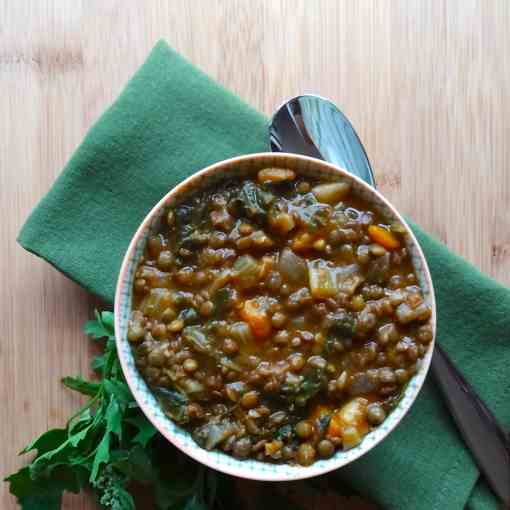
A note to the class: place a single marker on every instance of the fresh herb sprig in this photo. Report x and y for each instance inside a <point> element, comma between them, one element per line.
<point>108,445</point>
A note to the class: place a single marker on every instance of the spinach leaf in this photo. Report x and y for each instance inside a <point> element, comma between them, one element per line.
<point>252,202</point>
<point>285,433</point>
<point>223,300</point>
<point>173,403</point>
<point>323,423</point>
<point>212,434</point>
<point>310,386</point>
<point>194,239</point>
<point>312,214</point>
<point>189,316</point>
<point>198,339</point>
<point>342,323</point>
<point>310,383</point>
<point>183,215</point>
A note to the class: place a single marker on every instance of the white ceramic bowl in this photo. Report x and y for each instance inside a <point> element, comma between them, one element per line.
<point>253,469</point>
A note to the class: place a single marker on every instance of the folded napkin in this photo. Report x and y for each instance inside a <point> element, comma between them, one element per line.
<point>172,120</point>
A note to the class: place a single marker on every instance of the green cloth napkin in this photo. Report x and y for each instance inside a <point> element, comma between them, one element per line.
<point>172,120</point>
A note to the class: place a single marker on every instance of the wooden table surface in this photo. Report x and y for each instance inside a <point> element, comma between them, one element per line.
<point>426,84</point>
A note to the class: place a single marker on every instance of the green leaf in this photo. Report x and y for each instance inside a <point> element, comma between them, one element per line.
<point>119,390</point>
<point>310,387</point>
<point>43,464</point>
<point>102,327</point>
<point>114,418</point>
<point>32,494</point>
<point>312,383</point>
<point>194,503</point>
<point>109,443</point>
<point>79,435</point>
<point>47,441</point>
<point>198,339</point>
<point>312,214</point>
<point>135,464</point>
<point>70,477</point>
<point>48,500</point>
<point>82,420</point>
<point>45,493</point>
<point>323,423</point>
<point>82,385</point>
<point>97,364</point>
<point>252,201</point>
<point>210,486</point>
<point>96,330</point>
<point>285,433</point>
<point>342,324</point>
<point>223,300</point>
<point>146,429</point>
<point>170,493</point>
<point>111,362</point>
<point>124,500</point>
<point>108,320</point>
<point>111,486</point>
<point>101,457</point>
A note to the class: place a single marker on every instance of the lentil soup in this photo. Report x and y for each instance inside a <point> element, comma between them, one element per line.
<point>277,318</point>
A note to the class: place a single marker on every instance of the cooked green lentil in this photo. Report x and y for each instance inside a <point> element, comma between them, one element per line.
<point>277,318</point>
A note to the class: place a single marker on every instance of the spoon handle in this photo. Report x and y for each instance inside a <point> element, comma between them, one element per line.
<point>487,441</point>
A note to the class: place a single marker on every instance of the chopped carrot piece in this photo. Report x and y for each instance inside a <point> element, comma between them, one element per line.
<point>383,237</point>
<point>256,318</point>
<point>336,426</point>
<point>273,447</point>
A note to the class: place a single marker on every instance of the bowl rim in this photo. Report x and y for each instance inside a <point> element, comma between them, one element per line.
<point>198,453</point>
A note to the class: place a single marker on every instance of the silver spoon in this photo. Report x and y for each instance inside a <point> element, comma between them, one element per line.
<point>314,126</point>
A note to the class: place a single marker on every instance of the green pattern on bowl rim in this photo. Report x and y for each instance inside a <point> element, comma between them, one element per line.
<point>253,469</point>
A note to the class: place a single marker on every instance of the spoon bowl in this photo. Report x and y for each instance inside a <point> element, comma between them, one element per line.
<point>313,126</point>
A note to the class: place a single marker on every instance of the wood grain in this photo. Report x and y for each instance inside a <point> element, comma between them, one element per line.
<point>425,83</point>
